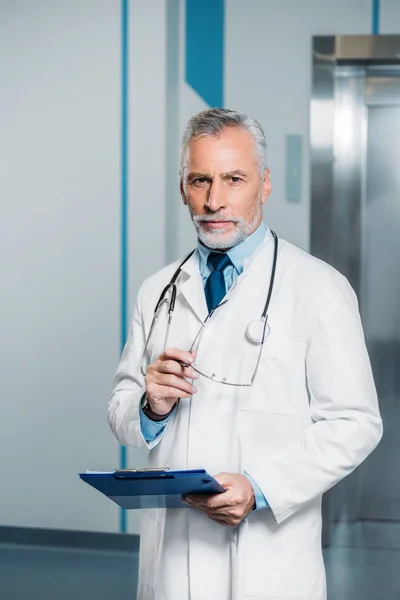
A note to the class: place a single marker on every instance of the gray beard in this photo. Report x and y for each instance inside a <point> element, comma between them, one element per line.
<point>214,240</point>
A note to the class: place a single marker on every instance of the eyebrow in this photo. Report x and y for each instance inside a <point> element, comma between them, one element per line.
<point>193,175</point>
<point>226,175</point>
<point>235,173</point>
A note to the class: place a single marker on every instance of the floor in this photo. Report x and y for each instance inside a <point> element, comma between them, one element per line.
<point>357,574</point>
<point>40,573</point>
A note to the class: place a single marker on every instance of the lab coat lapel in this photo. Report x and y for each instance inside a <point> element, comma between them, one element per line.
<point>192,288</point>
<point>257,268</point>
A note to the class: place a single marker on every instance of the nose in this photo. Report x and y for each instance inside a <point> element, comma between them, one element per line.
<point>216,197</point>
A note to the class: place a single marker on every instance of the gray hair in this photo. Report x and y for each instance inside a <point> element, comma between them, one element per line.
<point>213,121</point>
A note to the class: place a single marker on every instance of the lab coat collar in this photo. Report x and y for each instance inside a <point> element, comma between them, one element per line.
<point>192,288</point>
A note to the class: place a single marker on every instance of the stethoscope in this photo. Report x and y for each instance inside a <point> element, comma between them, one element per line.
<point>257,330</point>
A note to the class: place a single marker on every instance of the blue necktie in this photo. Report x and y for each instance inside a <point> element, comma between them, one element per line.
<point>215,288</point>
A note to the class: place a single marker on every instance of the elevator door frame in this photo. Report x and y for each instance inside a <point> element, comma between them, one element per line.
<point>336,231</point>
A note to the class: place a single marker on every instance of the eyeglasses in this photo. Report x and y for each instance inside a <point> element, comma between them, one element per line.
<point>205,371</point>
<point>226,380</point>
<point>253,336</point>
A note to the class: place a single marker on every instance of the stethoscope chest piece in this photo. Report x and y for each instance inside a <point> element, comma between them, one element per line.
<point>257,331</point>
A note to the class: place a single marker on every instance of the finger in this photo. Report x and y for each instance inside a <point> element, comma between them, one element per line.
<point>208,500</point>
<point>189,371</point>
<point>219,509</point>
<point>176,354</point>
<point>176,368</point>
<point>229,513</point>
<point>162,391</point>
<point>225,522</point>
<point>233,515</point>
<point>194,354</point>
<point>173,381</point>
<point>225,479</point>
<point>219,516</point>
<point>197,500</point>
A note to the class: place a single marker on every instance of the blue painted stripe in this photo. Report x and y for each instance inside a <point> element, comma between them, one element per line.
<point>173,83</point>
<point>205,49</point>
<point>124,201</point>
<point>375,16</point>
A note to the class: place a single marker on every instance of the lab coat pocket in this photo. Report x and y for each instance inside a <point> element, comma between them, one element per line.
<point>148,547</point>
<point>279,386</point>
<point>283,562</point>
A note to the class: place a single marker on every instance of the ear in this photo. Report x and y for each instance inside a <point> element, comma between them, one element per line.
<point>266,187</point>
<point>183,195</point>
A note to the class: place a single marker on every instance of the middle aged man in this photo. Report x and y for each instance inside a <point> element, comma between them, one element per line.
<point>279,423</point>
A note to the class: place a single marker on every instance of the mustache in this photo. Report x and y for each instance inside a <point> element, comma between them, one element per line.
<point>215,217</point>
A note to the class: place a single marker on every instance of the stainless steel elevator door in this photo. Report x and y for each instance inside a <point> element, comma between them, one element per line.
<point>355,227</point>
<point>380,304</point>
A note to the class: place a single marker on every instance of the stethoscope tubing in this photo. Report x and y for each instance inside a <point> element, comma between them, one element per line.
<point>172,285</point>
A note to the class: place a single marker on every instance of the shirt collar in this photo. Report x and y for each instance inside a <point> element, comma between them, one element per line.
<point>238,254</point>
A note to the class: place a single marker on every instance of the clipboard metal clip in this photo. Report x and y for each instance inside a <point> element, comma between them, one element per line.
<point>142,470</point>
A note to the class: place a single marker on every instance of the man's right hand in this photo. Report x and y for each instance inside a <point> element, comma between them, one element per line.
<point>166,380</point>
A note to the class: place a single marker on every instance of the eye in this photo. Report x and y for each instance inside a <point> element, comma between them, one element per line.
<point>235,180</point>
<point>200,181</point>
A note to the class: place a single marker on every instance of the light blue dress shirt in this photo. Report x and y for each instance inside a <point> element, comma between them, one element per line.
<point>151,430</point>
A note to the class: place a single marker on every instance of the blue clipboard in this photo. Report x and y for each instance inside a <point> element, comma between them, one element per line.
<point>151,488</point>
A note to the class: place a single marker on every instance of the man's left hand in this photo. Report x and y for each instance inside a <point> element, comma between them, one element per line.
<point>230,507</point>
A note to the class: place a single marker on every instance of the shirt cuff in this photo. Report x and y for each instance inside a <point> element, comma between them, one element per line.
<point>261,501</point>
<point>152,429</point>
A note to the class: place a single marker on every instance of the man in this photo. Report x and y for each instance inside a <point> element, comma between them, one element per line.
<point>278,423</point>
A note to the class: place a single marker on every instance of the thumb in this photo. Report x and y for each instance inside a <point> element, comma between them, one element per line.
<point>225,479</point>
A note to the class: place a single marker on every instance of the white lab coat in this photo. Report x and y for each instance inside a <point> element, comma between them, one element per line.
<point>310,418</point>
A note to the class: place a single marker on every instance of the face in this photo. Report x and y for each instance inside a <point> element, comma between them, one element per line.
<point>223,189</point>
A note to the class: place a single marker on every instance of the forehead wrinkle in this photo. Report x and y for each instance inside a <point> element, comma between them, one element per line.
<point>227,154</point>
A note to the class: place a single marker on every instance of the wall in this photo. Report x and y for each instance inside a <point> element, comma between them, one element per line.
<point>60,185</point>
<point>147,176</point>
<point>59,157</point>
<point>389,17</point>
